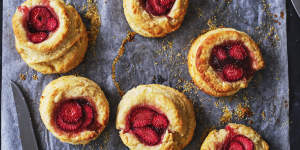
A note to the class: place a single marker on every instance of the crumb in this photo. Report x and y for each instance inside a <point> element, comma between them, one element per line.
<point>170,44</point>
<point>22,76</point>
<point>282,15</point>
<point>35,77</point>
<point>227,115</point>
<point>263,115</point>
<point>243,111</point>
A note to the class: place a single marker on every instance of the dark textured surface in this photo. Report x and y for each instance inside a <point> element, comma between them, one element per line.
<point>293,36</point>
<point>135,60</point>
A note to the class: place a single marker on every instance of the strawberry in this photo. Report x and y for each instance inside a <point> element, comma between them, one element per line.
<point>235,146</point>
<point>38,18</point>
<point>89,115</point>
<point>147,135</point>
<point>37,37</point>
<point>67,126</point>
<point>220,53</point>
<point>246,142</point>
<point>40,22</point>
<point>238,52</point>
<point>160,121</point>
<point>232,72</point>
<point>141,117</point>
<point>167,3</point>
<point>51,24</point>
<point>70,112</point>
<point>156,10</point>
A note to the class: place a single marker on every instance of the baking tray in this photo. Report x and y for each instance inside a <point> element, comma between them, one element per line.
<point>163,61</point>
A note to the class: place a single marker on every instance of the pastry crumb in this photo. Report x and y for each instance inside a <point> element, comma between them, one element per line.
<point>35,77</point>
<point>263,115</point>
<point>22,76</point>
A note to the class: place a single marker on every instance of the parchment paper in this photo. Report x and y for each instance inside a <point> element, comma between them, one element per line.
<point>162,61</point>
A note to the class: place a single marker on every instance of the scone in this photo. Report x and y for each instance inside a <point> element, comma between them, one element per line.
<point>234,137</point>
<point>74,109</point>
<point>155,117</point>
<point>155,18</point>
<point>49,35</point>
<point>223,61</point>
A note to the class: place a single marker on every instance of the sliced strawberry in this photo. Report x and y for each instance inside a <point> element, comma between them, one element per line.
<point>37,37</point>
<point>246,142</point>
<point>51,24</point>
<point>67,126</point>
<point>160,121</point>
<point>141,117</point>
<point>167,3</point>
<point>238,52</point>
<point>154,7</point>
<point>220,53</point>
<point>147,135</point>
<point>70,112</point>
<point>89,115</point>
<point>232,72</point>
<point>235,146</point>
<point>38,18</point>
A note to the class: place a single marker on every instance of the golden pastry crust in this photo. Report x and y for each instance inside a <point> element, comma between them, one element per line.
<point>216,137</point>
<point>149,25</point>
<point>177,108</point>
<point>64,48</point>
<point>68,87</point>
<point>204,75</point>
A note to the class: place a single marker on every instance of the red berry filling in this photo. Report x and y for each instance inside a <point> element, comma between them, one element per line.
<point>237,142</point>
<point>41,21</point>
<point>147,125</point>
<point>231,61</point>
<point>158,7</point>
<point>232,72</point>
<point>74,115</point>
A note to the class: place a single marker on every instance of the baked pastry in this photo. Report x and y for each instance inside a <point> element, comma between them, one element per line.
<point>49,35</point>
<point>155,18</point>
<point>223,61</point>
<point>74,109</point>
<point>234,137</point>
<point>155,117</point>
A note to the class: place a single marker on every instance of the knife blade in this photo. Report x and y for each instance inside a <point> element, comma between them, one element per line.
<point>27,135</point>
<point>296,4</point>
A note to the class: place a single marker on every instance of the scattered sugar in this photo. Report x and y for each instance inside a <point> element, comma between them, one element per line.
<point>93,16</point>
<point>227,115</point>
<point>243,111</point>
<point>129,38</point>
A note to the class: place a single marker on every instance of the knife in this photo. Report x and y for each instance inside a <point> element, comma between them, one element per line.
<point>296,4</point>
<point>28,139</point>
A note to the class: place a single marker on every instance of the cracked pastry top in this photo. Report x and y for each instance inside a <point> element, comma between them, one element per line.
<point>234,137</point>
<point>49,35</point>
<point>74,109</point>
<point>223,61</point>
<point>155,117</point>
<point>155,18</point>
